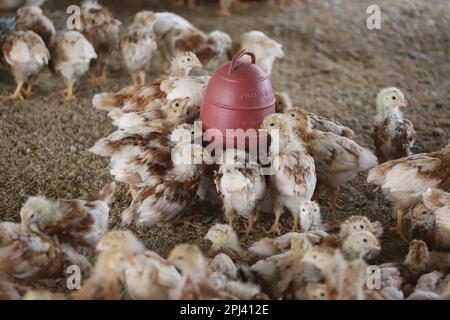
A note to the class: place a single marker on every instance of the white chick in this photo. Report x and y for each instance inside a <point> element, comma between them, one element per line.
<point>224,239</point>
<point>404,180</point>
<point>267,50</point>
<point>310,217</point>
<point>138,45</point>
<point>241,185</point>
<point>24,54</point>
<point>71,55</point>
<point>150,277</point>
<point>183,63</point>
<point>359,223</point>
<point>360,244</point>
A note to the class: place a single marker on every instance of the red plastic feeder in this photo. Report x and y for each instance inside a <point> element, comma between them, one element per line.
<point>239,96</point>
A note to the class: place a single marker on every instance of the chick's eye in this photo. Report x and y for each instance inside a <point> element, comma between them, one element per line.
<point>394,97</point>
<point>272,124</point>
<point>292,115</point>
<point>424,212</point>
<point>314,257</point>
<point>189,59</point>
<point>303,209</point>
<point>177,104</point>
<point>365,240</point>
<point>322,294</point>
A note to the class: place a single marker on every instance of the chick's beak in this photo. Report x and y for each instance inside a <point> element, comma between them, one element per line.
<point>402,103</point>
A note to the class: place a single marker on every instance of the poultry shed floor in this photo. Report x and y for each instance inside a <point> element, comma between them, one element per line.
<point>333,66</point>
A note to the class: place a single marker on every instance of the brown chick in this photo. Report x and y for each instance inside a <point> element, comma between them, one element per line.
<point>404,180</point>
<point>393,135</point>
<point>167,195</point>
<point>294,178</point>
<point>32,18</point>
<point>28,255</point>
<point>104,283</point>
<point>8,290</point>
<point>102,30</point>
<point>76,222</point>
<point>189,259</point>
<point>24,54</point>
<point>338,159</point>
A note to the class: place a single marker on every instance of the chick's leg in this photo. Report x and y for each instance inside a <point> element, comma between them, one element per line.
<point>103,77</point>
<point>29,88</point>
<point>134,78</point>
<point>69,95</point>
<point>278,210</point>
<point>249,227</point>
<point>142,76</point>
<point>334,196</point>
<point>230,213</point>
<point>295,223</point>
<point>17,95</point>
<point>399,227</point>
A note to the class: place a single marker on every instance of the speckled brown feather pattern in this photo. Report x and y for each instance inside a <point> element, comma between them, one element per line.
<point>38,23</point>
<point>28,254</point>
<point>389,147</point>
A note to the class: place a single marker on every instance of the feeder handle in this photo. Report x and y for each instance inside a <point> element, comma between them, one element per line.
<point>238,57</point>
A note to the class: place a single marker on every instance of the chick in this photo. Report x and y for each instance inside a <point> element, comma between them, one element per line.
<point>431,220</point>
<point>360,223</point>
<point>310,218</point>
<point>150,277</point>
<point>267,247</point>
<point>338,159</point>
<point>139,98</point>
<point>231,289</point>
<point>100,27</point>
<point>317,291</point>
<point>169,194</point>
<point>190,260</point>
<point>123,240</point>
<point>24,54</point>
<point>294,178</point>
<point>138,45</point>
<point>175,33</point>
<point>430,286</point>
<point>360,244</point>
<point>283,104</point>
<point>71,55</point>
<point>32,18</point>
<point>267,50</point>
<point>279,272</point>
<point>241,185</point>
<point>182,64</point>
<point>393,135</point>
<point>28,255</point>
<point>224,239</point>
<point>404,180</point>
<point>103,284</point>
<point>77,222</point>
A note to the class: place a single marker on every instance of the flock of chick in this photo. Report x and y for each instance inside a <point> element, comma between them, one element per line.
<point>154,149</point>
